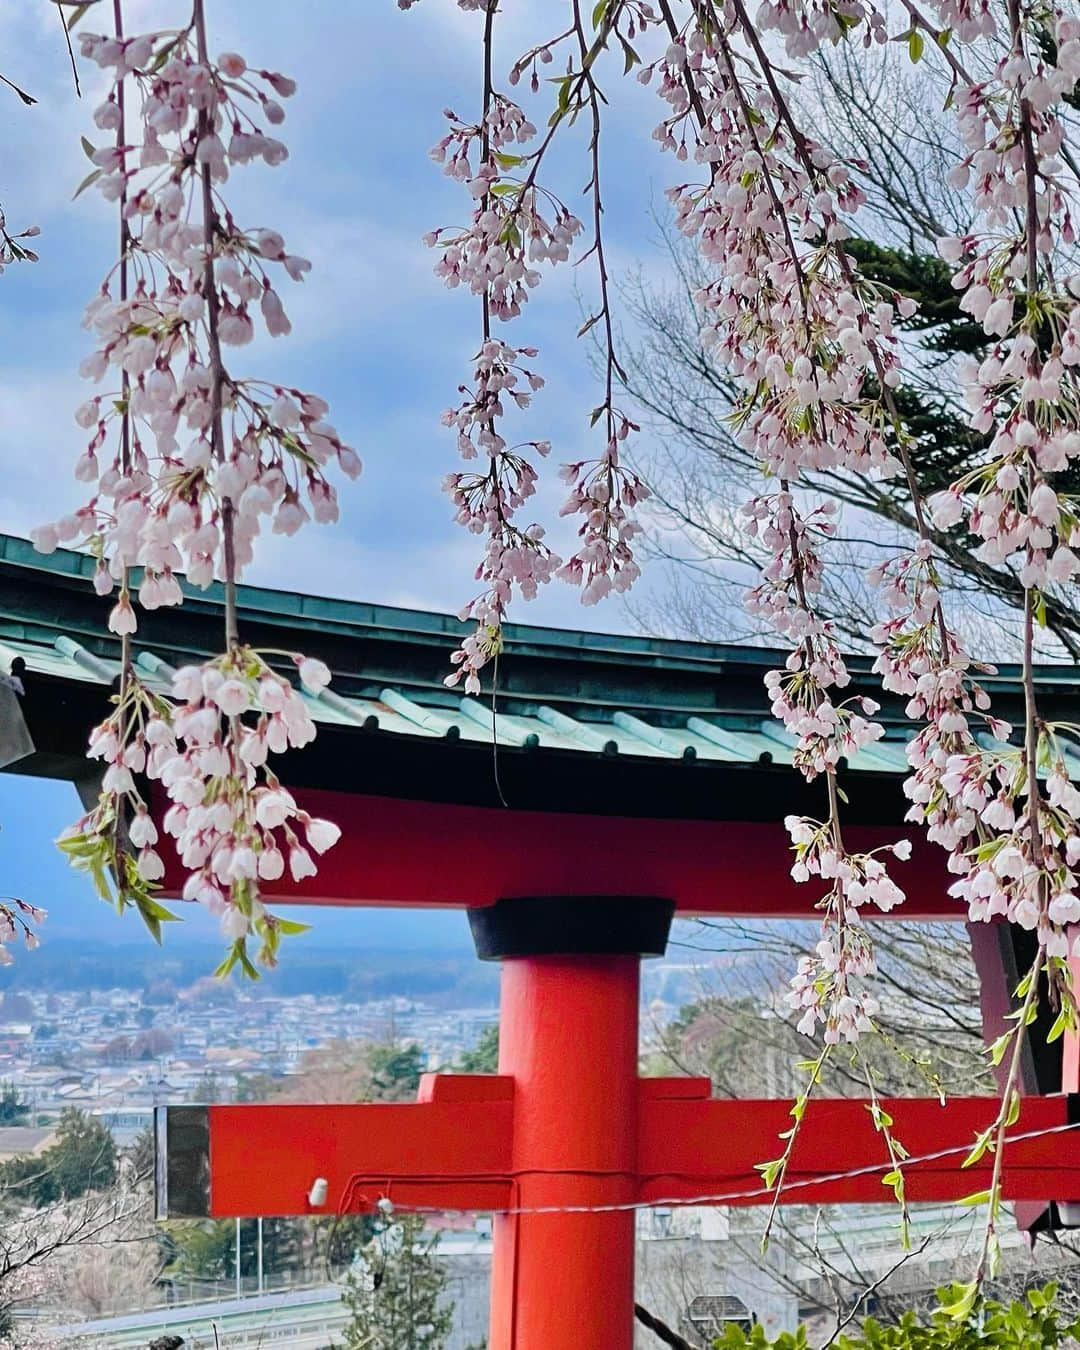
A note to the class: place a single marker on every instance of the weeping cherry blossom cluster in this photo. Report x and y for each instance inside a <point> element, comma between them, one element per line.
<point>185,465</point>
<point>815,349</point>
<point>515,225</point>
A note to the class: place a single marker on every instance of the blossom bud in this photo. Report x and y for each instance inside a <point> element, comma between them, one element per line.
<point>122,619</point>
<point>300,863</point>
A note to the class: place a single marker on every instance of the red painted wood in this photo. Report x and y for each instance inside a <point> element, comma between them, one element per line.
<point>997,982</point>
<point>692,1149</point>
<point>1070,1044</point>
<point>264,1158</point>
<point>459,1148</point>
<point>568,1036</point>
<point>398,852</point>
<point>465,1087</point>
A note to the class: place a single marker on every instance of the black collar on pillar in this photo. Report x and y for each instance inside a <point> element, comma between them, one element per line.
<point>572,925</point>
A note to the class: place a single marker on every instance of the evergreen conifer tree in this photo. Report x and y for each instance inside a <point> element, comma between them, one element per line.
<point>396,1292</point>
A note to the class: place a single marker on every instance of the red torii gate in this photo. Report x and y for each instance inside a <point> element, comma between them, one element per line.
<point>642,781</point>
<point>566,1139</point>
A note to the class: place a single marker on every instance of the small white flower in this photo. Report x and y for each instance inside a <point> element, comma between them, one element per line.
<point>314,674</point>
<point>233,697</point>
<point>274,808</point>
<point>322,835</point>
<point>118,779</point>
<point>45,538</point>
<point>271,864</point>
<point>142,830</point>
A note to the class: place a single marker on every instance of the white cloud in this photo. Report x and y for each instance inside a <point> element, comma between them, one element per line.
<point>374,330</point>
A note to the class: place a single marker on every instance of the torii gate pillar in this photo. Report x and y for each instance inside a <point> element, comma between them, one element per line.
<point>568,1037</point>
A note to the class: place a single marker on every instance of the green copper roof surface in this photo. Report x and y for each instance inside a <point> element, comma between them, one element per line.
<point>559,689</point>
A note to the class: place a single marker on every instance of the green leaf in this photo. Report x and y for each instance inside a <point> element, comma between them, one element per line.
<point>79,13</point>
<point>76,846</point>
<point>163,55</point>
<point>770,1171</point>
<point>89,149</point>
<point>915,45</point>
<point>964,1301</point>
<point>982,1143</point>
<point>90,178</point>
<point>150,908</point>
<point>96,869</point>
<point>997,1050</point>
<point>245,962</point>
<point>598,12</point>
<point>975,1198</point>
<point>227,964</point>
<point>291,927</point>
<point>153,927</point>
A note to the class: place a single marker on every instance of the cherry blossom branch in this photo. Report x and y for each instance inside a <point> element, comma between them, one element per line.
<point>800,695</point>
<point>943,45</point>
<point>517,222</point>
<point>813,346</point>
<point>1008,1113</point>
<point>257,449</point>
<point>604,491</point>
<point>128,695</point>
<point>11,250</point>
<point>211,230</point>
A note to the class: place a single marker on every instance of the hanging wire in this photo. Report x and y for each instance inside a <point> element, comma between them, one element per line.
<point>385,1203</point>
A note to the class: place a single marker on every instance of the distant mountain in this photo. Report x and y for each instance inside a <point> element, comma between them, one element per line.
<point>33,812</point>
<point>443,979</point>
<point>87,919</point>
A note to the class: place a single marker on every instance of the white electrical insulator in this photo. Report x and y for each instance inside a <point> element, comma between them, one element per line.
<point>386,1206</point>
<point>317,1194</point>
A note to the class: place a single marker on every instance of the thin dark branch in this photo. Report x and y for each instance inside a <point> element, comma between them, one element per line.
<point>660,1329</point>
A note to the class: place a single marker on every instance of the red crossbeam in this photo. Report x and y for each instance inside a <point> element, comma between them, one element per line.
<point>398,852</point>
<point>454,1149</point>
<point>452,1152</point>
<point>690,1149</point>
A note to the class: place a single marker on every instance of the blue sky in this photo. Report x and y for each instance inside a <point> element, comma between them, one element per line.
<point>374,332</point>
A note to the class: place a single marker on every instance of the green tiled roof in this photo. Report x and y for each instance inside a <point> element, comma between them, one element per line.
<point>558,689</point>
